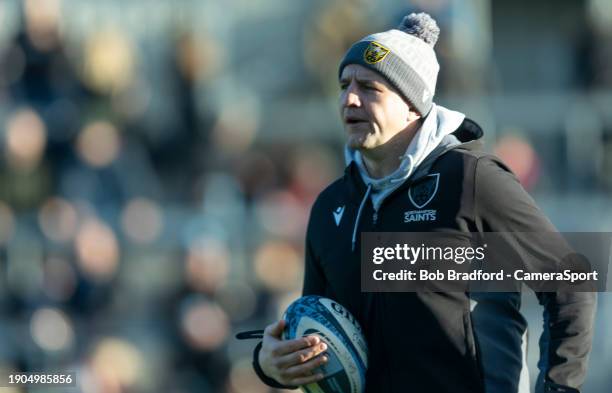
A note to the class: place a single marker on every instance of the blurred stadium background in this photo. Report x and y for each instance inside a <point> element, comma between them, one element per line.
<point>159,159</point>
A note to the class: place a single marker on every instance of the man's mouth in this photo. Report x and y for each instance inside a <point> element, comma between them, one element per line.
<point>354,120</point>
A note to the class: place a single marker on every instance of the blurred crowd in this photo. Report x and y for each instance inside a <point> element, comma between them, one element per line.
<point>159,160</point>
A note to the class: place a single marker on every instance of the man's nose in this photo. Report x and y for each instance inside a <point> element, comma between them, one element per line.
<point>351,97</point>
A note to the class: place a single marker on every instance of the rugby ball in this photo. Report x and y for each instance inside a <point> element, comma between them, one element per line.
<point>347,352</point>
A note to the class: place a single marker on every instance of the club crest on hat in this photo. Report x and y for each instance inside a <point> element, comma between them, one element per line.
<point>422,193</point>
<point>375,52</point>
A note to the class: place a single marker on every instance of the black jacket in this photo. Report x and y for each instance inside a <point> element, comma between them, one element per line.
<point>429,342</point>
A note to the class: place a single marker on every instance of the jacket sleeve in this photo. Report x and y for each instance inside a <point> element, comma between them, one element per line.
<point>502,205</point>
<point>314,284</point>
<point>314,280</point>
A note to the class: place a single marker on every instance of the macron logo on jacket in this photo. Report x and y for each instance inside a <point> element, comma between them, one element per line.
<point>338,215</point>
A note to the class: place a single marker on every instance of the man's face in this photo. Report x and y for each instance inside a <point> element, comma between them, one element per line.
<point>372,111</point>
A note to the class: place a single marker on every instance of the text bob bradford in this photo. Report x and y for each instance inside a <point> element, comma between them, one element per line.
<point>479,275</point>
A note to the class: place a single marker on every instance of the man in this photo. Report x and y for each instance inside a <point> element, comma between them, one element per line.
<point>423,342</point>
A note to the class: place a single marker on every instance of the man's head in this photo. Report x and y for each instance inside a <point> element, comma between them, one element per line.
<point>388,81</point>
<point>372,110</point>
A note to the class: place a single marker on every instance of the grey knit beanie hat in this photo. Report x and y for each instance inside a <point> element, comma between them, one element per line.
<point>405,56</point>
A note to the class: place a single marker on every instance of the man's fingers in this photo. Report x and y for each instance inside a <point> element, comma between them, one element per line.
<point>301,356</point>
<point>304,369</point>
<point>287,347</point>
<point>306,380</point>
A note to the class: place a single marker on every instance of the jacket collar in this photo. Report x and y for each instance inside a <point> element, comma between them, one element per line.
<point>469,134</point>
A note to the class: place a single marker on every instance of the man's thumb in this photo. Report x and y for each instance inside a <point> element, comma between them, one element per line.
<point>276,329</point>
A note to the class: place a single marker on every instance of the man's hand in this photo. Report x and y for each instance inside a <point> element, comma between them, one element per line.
<point>291,362</point>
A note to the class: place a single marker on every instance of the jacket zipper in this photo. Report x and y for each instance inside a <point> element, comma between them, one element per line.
<point>403,187</point>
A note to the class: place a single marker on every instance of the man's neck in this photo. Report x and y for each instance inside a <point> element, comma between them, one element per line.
<point>384,160</point>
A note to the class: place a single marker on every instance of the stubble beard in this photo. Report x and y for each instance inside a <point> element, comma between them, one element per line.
<point>361,138</point>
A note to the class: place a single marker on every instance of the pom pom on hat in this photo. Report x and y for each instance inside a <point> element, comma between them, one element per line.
<point>422,26</point>
<point>405,56</point>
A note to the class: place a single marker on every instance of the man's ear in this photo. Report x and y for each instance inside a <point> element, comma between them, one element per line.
<point>413,116</point>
